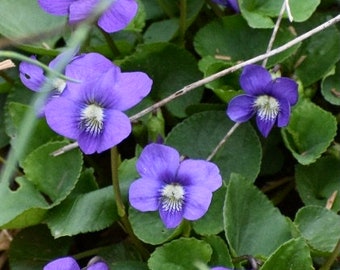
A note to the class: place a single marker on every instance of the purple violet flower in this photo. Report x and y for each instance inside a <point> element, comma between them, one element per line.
<point>229,3</point>
<point>85,67</point>
<point>220,268</point>
<point>177,189</point>
<point>119,14</point>
<point>68,263</point>
<point>269,99</point>
<point>91,112</point>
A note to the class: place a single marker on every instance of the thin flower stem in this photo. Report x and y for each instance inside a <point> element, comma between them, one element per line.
<point>186,89</point>
<point>124,221</point>
<point>115,181</point>
<point>282,194</point>
<point>186,228</point>
<point>224,72</point>
<point>88,253</point>
<point>274,33</point>
<point>223,141</point>
<point>332,258</point>
<point>276,184</point>
<point>110,42</point>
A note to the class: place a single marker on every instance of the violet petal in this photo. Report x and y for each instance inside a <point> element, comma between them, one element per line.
<point>130,89</point>
<point>254,79</point>
<point>66,263</point>
<point>285,88</point>
<point>241,108</point>
<point>158,161</point>
<point>31,75</point>
<point>144,194</point>
<point>234,4</point>
<point>60,7</point>
<point>117,127</point>
<point>284,114</point>
<point>118,16</point>
<point>80,10</point>
<point>88,66</point>
<point>98,266</point>
<point>63,122</point>
<point>95,84</point>
<point>265,126</point>
<point>171,219</point>
<point>197,202</point>
<point>201,173</point>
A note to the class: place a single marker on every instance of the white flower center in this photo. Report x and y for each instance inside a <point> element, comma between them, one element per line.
<point>92,119</point>
<point>172,197</point>
<point>267,107</point>
<point>59,85</point>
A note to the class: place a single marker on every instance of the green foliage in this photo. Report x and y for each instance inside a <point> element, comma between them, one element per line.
<point>252,224</point>
<point>317,182</point>
<point>220,255</point>
<point>163,62</point>
<point>279,202</point>
<point>162,31</point>
<point>75,215</point>
<point>212,222</point>
<point>180,254</point>
<point>54,177</point>
<point>35,23</point>
<point>4,139</point>
<point>224,87</point>
<point>258,13</point>
<point>207,137</point>
<point>310,132</point>
<point>41,134</point>
<point>33,247</point>
<point>214,38</point>
<point>149,228</point>
<point>285,256</point>
<point>24,201</point>
<point>330,86</point>
<point>319,54</point>
<point>312,222</point>
<point>44,185</point>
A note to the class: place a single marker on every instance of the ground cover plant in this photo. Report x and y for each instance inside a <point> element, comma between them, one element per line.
<point>169,134</point>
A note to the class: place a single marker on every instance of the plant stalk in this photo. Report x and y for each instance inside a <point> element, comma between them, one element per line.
<point>332,258</point>
<point>124,221</point>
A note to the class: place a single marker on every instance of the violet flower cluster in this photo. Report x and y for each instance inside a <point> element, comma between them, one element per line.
<point>68,263</point>
<point>177,189</point>
<point>268,99</point>
<point>90,112</point>
<point>119,14</point>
